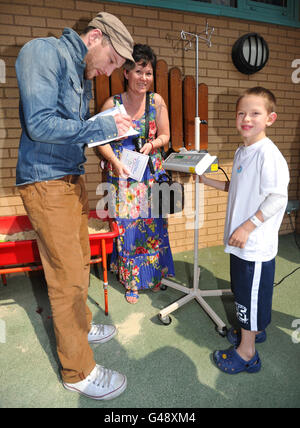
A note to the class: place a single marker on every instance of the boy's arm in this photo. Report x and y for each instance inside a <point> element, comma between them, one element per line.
<point>269,207</point>
<point>240,235</point>
<point>217,184</point>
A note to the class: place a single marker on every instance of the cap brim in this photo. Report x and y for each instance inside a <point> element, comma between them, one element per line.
<point>122,51</point>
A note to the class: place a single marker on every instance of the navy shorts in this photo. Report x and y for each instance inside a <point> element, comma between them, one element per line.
<point>252,286</point>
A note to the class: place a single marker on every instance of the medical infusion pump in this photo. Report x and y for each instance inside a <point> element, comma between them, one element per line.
<point>191,162</point>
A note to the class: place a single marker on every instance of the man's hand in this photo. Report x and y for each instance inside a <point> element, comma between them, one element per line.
<point>123,123</point>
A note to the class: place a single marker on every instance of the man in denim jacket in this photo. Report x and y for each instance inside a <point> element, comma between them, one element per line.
<point>54,78</point>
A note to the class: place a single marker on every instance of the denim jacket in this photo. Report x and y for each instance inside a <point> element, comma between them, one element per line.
<point>54,108</point>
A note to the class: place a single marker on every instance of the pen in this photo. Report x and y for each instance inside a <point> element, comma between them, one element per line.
<point>118,106</point>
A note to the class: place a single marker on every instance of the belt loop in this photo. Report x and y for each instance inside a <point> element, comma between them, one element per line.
<point>70,178</point>
<point>81,376</point>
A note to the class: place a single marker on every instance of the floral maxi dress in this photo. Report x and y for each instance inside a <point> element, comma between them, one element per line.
<point>141,255</point>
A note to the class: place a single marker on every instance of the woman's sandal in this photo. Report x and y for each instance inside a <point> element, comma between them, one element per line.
<point>132,293</point>
<point>156,288</point>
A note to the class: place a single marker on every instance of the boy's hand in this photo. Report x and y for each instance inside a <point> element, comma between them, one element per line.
<point>241,234</point>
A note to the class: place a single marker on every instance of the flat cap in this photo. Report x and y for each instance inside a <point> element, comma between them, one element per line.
<point>116,31</point>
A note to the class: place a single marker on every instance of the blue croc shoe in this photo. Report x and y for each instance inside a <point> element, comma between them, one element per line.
<point>230,362</point>
<point>234,336</point>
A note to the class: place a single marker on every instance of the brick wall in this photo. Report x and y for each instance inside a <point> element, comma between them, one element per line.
<point>22,20</point>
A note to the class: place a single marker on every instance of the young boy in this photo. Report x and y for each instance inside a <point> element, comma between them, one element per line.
<point>257,200</point>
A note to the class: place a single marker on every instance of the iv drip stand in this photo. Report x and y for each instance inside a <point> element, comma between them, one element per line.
<point>195,292</point>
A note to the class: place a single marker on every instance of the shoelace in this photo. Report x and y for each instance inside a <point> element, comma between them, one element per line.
<point>97,329</point>
<point>101,376</point>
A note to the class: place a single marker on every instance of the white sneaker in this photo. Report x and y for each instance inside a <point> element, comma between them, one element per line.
<point>100,384</point>
<point>101,333</point>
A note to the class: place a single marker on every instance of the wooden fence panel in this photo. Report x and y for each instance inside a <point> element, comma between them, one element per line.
<point>189,103</point>
<point>162,80</point>
<point>102,89</point>
<point>176,108</point>
<point>203,114</point>
<point>162,84</point>
<point>117,84</point>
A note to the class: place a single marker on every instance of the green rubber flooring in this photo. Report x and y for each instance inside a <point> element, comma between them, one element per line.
<point>167,366</point>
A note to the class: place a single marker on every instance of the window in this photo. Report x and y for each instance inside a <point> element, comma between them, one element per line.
<point>274,8</point>
<point>282,3</point>
<point>231,3</point>
<point>281,12</point>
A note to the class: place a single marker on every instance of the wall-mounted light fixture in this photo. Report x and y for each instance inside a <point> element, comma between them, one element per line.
<point>250,53</point>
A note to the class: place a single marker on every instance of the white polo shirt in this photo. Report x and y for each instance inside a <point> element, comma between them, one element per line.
<point>258,170</point>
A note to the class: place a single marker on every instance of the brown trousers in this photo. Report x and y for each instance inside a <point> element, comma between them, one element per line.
<point>58,211</point>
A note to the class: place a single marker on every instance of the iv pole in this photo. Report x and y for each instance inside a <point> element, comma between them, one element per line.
<point>195,292</point>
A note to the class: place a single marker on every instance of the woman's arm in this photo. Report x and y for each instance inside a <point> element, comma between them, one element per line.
<point>162,124</point>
